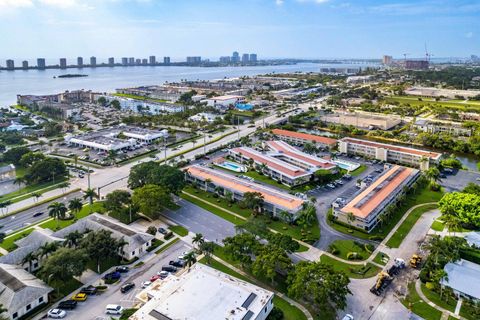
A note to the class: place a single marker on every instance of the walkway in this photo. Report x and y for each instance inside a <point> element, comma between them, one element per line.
<point>445,313</point>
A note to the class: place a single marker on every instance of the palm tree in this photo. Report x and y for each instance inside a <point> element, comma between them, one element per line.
<point>437,278</point>
<point>64,186</point>
<point>190,259</point>
<point>57,210</point>
<point>207,182</point>
<point>198,239</point>
<point>46,249</point>
<point>75,205</point>
<point>350,217</point>
<point>72,239</point>
<point>229,196</point>
<point>120,244</point>
<point>19,181</point>
<point>90,194</point>
<point>36,195</point>
<point>451,222</point>
<point>29,259</point>
<point>4,205</point>
<point>207,249</point>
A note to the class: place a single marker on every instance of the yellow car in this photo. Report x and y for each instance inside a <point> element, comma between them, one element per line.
<point>80,297</point>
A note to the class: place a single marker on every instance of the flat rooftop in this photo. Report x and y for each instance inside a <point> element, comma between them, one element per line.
<point>270,195</point>
<point>379,191</point>
<point>272,162</point>
<point>202,293</point>
<point>292,152</point>
<point>304,136</point>
<point>428,154</point>
<point>462,276</point>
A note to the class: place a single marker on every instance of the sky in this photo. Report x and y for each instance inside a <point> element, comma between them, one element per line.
<point>213,28</point>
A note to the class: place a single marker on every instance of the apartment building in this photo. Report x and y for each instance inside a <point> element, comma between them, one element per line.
<point>389,153</point>
<point>369,204</point>
<point>448,127</point>
<point>275,201</point>
<point>363,120</point>
<point>302,138</point>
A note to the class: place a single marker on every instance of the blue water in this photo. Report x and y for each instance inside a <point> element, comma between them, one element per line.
<point>231,166</point>
<point>108,79</point>
<point>244,106</point>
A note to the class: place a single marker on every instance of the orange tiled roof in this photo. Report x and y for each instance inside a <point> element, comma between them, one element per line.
<point>379,196</point>
<point>304,136</point>
<point>270,195</point>
<point>433,155</point>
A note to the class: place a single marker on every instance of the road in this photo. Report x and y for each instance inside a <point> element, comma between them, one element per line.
<point>94,307</point>
<point>26,218</point>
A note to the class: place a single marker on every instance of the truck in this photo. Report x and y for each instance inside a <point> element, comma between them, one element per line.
<point>383,281</point>
<point>415,261</point>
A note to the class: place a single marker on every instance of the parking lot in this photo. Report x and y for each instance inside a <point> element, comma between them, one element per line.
<point>459,179</point>
<point>94,306</point>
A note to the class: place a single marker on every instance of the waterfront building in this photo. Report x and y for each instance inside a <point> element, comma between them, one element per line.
<point>138,61</point>
<point>225,59</point>
<point>253,57</point>
<point>152,60</point>
<point>63,63</point>
<point>166,60</point>
<point>194,60</point>
<point>389,153</point>
<point>217,295</point>
<point>222,102</point>
<point>93,61</point>
<point>369,204</point>
<point>245,58</point>
<point>41,63</point>
<point>10,64</point>
<point>24,64</point>
<point>235,57</point>
<point>416,64</point>
<point>131,61</point>
<point>144,62</point>
<point>448,127</point>
<point>111,61</point>
<point>124,61</point>
<point>79,62</point>
<point>387,60</point>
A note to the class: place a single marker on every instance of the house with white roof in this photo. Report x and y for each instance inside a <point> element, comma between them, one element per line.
<point>463,277</point>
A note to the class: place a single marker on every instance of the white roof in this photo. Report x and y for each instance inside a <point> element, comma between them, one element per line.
<point>202,293</point>
<point>462,275</point>
<point>473,239</point>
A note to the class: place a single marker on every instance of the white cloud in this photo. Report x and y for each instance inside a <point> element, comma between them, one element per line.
<point>13,4</point>
<point>314,1</point>
<point>59,3</point>
<point>279,2</point>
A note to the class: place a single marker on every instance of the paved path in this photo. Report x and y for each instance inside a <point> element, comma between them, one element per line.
<point>445,312</point>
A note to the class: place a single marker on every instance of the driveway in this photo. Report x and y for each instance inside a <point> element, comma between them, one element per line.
<point>459,180</point>
<point>25,218</point>
<point>94,307</point>
<point>199,220</point>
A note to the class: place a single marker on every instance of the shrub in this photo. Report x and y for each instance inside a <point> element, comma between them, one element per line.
<point>275,314</point>
<point>434,186</point>
<point>376,238</point>
<point>358,244</point>
<point>152,230</point>
<point>354,256</point>
<point>424,277</point>
<point>429,285</point>
<point>169,235</point>
<point>332,249</point>
<point>101,288</point>
<point>369,247</point>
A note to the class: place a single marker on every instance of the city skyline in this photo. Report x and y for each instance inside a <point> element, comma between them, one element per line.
<point>273,28</point>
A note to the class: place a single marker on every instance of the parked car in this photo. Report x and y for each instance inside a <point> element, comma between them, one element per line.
<point>169,269</point>
<point>177,263</point>
<point>162,230</point>
<point>112,276</point>
<point>113,309</point>
<point>154,278</point>
<point>80,297</point>
<point>146,284</point>
<point>127,287</point>
<point>90,290</point>
<point>37,214</point>
<point>347,317</point>
<point>163,274</point>
<point>122,269</point>
<point>67,304</point>
<point>56,313</point>
<point>347,176</point>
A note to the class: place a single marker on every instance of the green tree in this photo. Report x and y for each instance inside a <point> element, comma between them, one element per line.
<point>151,200</point>
<point>102,101</point>
<point>117,201</point>
<point>283,241</point>
<point>432,174</point>
<point>198,239</point>
<point>75,205</point>
<point>115,104</point>
<point>47,249</point>
<point>64,264</point>
<point>241,247</point>
<point>171,178</point>
<point>28,159</point>
<point>72,239</point>
<point>100,245</point>
<point>90,194</point>
<point>190,259</point>
<point>464,206</point>
<point>472,188</point>
<point>307,215</point>
<point>319,285</point>
<point>207,248</point>
<point>14,155</point>
<point>253,200</point>
<point>268,260</point>
<point>140,174</point>
<point>47,169</point>
<point>64,186</point>
<point>57,210</point>
<point>29,259</point>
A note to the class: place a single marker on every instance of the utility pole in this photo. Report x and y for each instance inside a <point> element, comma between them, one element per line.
<point>88,175</point>
<point>165,149</point>
<point>238,127</point>
<point>204,143</point>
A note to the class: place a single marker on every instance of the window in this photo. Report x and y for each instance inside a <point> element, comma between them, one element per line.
<point>265,309</point>
<point>14,315</point>
<point>29,307</point>
<point>133,253</point>
<point>40,299</point>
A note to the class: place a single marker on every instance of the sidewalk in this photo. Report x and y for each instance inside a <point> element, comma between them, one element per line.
<point>445,313</point>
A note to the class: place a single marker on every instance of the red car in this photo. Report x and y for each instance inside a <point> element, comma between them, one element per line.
<point>155,277</point>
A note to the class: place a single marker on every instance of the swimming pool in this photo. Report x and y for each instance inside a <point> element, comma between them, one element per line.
<point>244,106</point>
<point>347,165</point>
<point>232,166</point>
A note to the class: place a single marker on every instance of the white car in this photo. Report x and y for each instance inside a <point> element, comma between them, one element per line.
<point>347,317</point>
<point>56,313</point>
<point>146,284</point>
<point>114,309</point>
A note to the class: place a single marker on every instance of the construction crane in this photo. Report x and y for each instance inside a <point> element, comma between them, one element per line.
<point>428,55</point>
<point>405,56</point>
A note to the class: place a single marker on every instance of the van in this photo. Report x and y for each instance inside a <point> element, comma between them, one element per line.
<point>113,309</point>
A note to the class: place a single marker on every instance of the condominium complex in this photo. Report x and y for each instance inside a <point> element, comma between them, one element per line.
<point>452,128</point>
<point>283,163</point>
<point>275,201</point>
<point>203,293</point>
<point>369,204</point>
<point>389,153</point>
<point>302,138</point>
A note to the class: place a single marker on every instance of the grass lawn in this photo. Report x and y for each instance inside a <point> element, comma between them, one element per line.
<point>133,96</point>
<point>85,211</point>
<point>168,245</point>
<point>467,312</point>
<point>396,240</point>
<point>352,271</point>
<point>452,318</point>
<point>437,225</point>
<point>453,104</point>
<point>346,246</point>
<point>181,231</point>
<point>290,312</point>
<point>435,298</point>
<point>63,288</point>
<point>380,258</point>
<point>23,193</point>
<point>418,306</point>
<point>105,264</point>
<point>302,248</point>
<point>8,243</point>
<point>358,171</point>
<point>155,244</point>
<point>265,179</point>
